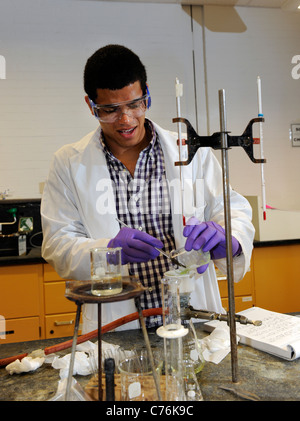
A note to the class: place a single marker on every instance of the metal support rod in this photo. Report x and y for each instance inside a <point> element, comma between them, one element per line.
<point>72,359</point>
<point>148,346</point>
<point>109,368</point>
<point>100,390</point>
<point>229,260</point>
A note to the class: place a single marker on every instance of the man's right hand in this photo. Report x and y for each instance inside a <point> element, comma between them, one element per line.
<point>137,246</point>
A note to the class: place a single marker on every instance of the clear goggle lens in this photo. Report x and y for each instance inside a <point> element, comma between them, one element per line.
<point>112,112</point>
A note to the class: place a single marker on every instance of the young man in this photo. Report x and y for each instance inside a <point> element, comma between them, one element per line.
<point>125,169</point>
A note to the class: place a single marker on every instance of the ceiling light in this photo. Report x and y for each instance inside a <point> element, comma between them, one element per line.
<point>291,5</point>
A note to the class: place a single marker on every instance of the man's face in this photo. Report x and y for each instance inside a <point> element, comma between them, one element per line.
<point>127,131</point>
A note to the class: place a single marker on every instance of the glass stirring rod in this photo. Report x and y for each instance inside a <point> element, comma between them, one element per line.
<point>173,259</point>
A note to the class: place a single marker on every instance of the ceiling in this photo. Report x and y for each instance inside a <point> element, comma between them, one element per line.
<point>290,5</point>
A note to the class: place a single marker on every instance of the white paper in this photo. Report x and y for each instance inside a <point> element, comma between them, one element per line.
<point>279,333</point>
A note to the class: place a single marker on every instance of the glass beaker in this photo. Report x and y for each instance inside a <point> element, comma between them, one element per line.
<point>190,259</point>
<point>137,381</point>
<point>106,273</point>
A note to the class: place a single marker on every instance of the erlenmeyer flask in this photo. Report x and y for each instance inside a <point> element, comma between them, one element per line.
<point>191,384</point>
<point>191,348</point>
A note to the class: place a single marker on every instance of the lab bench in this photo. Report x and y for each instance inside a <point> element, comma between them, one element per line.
<point>33,303</point>
<point>259,373</point>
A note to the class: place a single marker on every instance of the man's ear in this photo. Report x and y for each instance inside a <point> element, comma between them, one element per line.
<point>88,101</point>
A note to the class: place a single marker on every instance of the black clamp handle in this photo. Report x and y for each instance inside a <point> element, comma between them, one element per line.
<point>194,141</point>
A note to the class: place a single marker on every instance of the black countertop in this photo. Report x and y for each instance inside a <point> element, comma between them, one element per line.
<point>33,256</point>
<point>276,243</point>
<point>269,377</point>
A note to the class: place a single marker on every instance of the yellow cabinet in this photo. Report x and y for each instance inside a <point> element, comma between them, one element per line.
<point>55,300</point>
<point>273,282</point>
<point>59,311</point>
<point>23,329</point>
<point>243,291</point>
<point>21,302</point>
<point>277,277</point>
<point>33,304</point>
<point>59,325</point>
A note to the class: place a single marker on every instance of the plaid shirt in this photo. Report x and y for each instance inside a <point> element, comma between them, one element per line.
<point>143,202</point>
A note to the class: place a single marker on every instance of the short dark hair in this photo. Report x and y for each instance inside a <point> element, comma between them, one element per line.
<point>113,67</point>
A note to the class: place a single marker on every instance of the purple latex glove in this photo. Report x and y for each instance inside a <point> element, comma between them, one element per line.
<point>137,246</point>
<point>208,236</point>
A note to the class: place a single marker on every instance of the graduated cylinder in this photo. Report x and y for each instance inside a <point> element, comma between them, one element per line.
<point>172,331</point>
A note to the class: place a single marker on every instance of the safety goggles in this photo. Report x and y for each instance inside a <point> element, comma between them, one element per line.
<point>112,112</point>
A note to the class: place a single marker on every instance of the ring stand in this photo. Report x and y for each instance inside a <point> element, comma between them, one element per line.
<point>80,293</point>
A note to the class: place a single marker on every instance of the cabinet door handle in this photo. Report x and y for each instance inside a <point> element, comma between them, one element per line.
<point>6,332</point>
<point>62,323</point>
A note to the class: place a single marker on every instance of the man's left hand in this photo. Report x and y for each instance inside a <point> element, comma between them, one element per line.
<point>208,236</point>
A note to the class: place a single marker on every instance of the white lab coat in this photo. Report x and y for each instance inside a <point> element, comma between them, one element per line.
<point>78,212</point>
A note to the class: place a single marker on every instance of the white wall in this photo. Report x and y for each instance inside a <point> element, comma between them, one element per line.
<point>241,44</point>
<point>46,43</point>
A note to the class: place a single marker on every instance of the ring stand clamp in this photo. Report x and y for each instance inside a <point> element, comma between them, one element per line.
<point>194,141</point>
